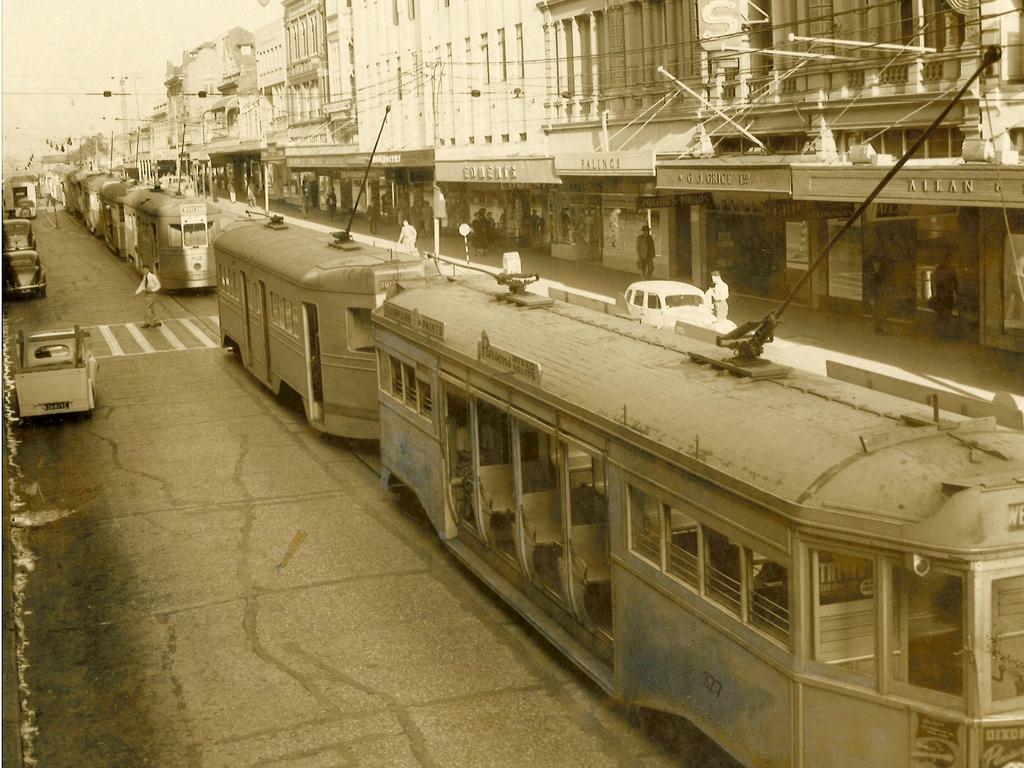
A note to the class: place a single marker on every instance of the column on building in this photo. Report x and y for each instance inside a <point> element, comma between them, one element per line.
<point>595,71</point>
<point>577,65</point>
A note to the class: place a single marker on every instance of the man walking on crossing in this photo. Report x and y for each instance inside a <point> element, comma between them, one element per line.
<point>149,286</point>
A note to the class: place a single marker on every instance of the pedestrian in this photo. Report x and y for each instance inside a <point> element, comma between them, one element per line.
<point>373,214</point>
<point>492,228</point>
<point>305,196</point>
<point>944,298</point>
<point>250,192</point>
<point>407,237</point>
<point>718,296</point>
<point>645,253</point>
<point>880,270</point>
<point>332,203</point>
<point>149,287</point>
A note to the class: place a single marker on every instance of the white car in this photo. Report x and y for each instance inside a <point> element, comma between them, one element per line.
<point>55,373</point>
<point>663,303</point>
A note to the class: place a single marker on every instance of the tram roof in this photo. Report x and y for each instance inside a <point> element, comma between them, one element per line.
<point>303,256</point>
<point>797,439</point>
<point>158,202</point>
<point>97,182</point>
<point>111,192</point>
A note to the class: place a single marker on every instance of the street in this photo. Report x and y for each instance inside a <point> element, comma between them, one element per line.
<point>202,580</point>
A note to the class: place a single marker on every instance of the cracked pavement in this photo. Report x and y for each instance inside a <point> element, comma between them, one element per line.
<point>166,626</point>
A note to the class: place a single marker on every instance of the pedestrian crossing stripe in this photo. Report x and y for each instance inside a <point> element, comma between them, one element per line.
<point>172,335</point>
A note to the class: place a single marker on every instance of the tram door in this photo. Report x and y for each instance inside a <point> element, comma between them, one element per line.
<point>589,554</point>
<point>459,453</point>
<point>540,505</point>
<point>314,363</point>
<point>495,478</point>
<point>264,329</point>
<point>247,335</point>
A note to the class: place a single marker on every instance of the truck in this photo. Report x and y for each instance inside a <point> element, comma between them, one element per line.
<point>55,373</point>
<point>20,197</point>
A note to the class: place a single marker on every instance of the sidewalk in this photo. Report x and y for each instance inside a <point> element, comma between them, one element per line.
<point>805,339</point>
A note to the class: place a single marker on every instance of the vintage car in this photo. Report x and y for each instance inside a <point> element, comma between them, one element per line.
<point>663,303</point>
<point>23,273</point>
<point>55,373</point>
<point>18,235</point>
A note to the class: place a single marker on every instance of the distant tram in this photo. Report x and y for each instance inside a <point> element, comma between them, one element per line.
<point>298,311</point>
<point>815,574</point>
<point>174,235</point>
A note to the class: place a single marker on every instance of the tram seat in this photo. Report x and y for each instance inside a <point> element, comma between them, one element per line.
<point>589,549</point>
<point>496,490</point>
<point>541,520</point>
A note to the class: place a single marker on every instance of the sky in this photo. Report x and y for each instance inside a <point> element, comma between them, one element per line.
<point>54,52</point>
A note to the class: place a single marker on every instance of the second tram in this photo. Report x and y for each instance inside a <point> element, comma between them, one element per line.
<point>298,311</point>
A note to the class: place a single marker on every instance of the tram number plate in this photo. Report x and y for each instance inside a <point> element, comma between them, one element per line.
<point>59,405</point>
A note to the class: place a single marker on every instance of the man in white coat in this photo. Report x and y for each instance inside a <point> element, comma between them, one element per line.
<point>149,287</point>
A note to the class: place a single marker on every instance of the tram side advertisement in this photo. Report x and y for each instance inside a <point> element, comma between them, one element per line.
<point>937,743</point>
<point>1003,747</point>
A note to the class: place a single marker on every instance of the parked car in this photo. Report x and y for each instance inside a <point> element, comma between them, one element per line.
<point>18,235</point>
<point>23,273</point>
<point>663,303</point>
<point>55,373</point>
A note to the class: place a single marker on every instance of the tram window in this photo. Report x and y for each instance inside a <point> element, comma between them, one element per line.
<point>426,395</point>
<point>360,330</point>
<point>174,235</point>
<point>195,235</point>
<point>683,547</point>
<point>493,430</point>
<point>645,525</point>
<point>722,572</point>
<point>844,612</point>
<point>588,502</point>
<point>928,630</point>
<point>383,372</point>
<point>1007,644</point>
<point>396,378</point>
<point>768,595</point>
<point>411,388</point>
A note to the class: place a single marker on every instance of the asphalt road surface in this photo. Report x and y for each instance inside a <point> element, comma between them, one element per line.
<point>201,580</point>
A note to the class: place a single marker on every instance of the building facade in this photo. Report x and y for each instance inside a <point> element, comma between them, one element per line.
<point>271,84</point>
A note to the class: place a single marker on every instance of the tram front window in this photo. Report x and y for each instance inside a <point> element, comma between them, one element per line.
<point>844,612</point>
<point>1007,641</point>
<point>928,630</point>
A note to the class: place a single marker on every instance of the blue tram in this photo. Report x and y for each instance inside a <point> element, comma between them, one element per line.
<point>815,574</point>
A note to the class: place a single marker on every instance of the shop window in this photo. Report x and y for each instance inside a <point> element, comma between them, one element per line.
<point>928,630</point>
<point>768,595</point>
<point>1006,645</point>
<point>645,525</point>
<point>360,329</point>
<point>844,611</point>
<point>722,572</point>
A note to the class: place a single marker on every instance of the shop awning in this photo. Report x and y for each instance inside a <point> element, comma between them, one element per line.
<point>233,147</point>
<point>504,170</point>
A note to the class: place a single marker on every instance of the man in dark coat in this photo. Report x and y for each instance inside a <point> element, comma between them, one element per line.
<point>645,253</point>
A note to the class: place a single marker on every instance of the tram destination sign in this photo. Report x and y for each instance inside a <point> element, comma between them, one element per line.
<point>411,318</point>
<point>527,370</point>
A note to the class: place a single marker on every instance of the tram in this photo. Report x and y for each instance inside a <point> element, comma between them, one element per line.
<point>112,215</point>
<point>173,234</point>
<point>298,312</point>
<point>813,573</point>
<point>91,188</point>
